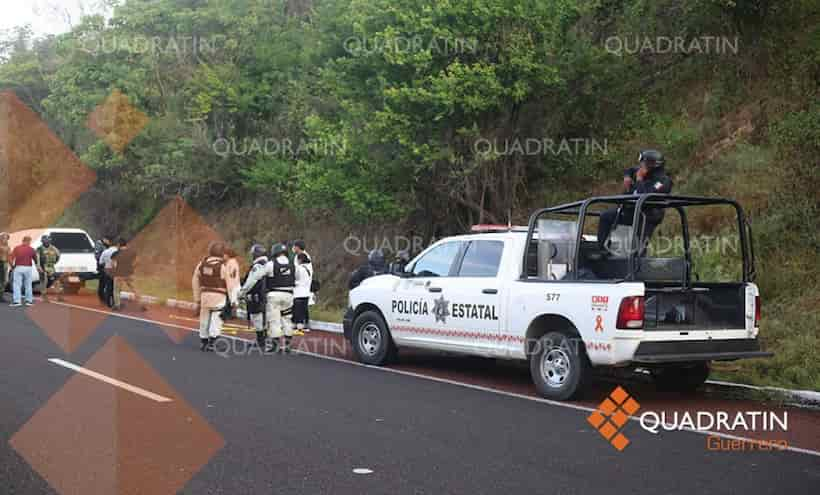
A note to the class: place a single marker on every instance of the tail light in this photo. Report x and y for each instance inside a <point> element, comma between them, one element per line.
<point>757,311</point>
<point>631,313</point>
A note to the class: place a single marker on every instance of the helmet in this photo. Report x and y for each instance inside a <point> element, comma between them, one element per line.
<point>258,251</point>
<point>376,257</point>
<point>45,240</point>
<point>653,158</point>
<point>278,249</point>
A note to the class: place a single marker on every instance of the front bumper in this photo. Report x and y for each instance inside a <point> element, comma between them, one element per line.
<point>698,350</point>
<point>347,322</point>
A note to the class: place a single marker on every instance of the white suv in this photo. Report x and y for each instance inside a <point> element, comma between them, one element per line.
<point>77,260</point>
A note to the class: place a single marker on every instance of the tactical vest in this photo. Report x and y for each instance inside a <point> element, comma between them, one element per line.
<point>48,258</point>
<point>283,278</point>
<point>257,296</point>
<point>210,276</point>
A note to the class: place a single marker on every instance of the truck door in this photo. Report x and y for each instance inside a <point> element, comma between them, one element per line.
<point>476,298</point>
<point>419,306</point>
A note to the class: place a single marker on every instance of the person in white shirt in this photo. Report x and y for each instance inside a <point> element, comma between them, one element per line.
<point>301,293</point>
<point>106,277</point>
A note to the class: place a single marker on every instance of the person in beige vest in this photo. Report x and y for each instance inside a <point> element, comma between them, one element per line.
<point>214,289</point>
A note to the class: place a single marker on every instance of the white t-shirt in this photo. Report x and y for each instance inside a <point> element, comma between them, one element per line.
<point>304,277</point>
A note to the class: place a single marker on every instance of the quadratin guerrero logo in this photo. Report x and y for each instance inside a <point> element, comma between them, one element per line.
<point>612,414</point>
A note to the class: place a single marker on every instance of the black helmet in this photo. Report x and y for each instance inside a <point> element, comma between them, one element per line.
<point>653,158</point>
<point>278,249</point>
<point>45,240</point>
<point>376,258</point>
<point>258,251</point>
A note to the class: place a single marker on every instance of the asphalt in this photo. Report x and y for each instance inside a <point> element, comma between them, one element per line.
<point>301,424</point>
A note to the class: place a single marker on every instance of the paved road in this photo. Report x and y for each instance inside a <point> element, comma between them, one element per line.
<point>299,424</point>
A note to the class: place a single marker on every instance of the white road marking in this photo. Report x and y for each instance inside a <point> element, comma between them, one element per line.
<point>444,380</point>
<point>112,381</point>
<point>362,471</point>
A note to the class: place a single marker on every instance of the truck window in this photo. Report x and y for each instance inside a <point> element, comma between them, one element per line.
<point>438,261</point>
<point>70,242</point>
<point>482,259</point>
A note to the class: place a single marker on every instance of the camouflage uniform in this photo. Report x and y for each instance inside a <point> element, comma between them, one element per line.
<point>49,256</point>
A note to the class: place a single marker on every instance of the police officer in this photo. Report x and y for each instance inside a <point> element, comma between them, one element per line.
<point>48,256</point>
<point>255,292</point>
<point>649,177</point>
<point>213,289</point>
<point>376,265</point>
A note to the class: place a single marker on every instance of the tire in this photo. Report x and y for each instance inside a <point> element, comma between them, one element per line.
<point>558,368</point>
<point>371,340</point>
<point>684,378</point>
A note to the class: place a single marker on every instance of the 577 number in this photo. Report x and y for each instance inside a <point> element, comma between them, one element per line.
<point>553,297</point>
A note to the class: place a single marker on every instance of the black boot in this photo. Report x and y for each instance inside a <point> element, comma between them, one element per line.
<point>287,344</point>
<point>273,347</point>
<point>203,345</point>
<point>260,340</point>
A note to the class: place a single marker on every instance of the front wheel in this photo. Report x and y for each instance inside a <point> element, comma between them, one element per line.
<point>371,340</point>
<point>559,366</point>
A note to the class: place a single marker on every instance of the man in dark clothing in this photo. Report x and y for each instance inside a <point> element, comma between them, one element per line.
<point>376,265</point>
<point>124,263</point>
<point>649,177</point>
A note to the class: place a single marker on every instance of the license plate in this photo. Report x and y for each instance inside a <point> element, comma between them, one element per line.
<point>74,280</point>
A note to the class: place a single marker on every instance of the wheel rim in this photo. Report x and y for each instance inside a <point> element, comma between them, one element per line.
<point>370,339</point>
<point>555,367</point>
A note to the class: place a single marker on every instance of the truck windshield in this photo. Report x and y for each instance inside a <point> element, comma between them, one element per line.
<point>70,242</point>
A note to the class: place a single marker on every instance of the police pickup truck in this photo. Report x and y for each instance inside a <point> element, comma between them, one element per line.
<point>553,295</point>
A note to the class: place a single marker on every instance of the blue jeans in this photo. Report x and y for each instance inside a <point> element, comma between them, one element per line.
<point>23,276</point>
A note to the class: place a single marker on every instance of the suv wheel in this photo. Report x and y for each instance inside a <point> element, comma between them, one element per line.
<point>371,340</point>
<point>559,369</point>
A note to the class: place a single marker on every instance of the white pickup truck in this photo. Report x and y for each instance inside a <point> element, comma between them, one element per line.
<point>551,294</point>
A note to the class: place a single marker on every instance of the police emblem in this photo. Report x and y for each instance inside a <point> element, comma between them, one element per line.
<point>440,309</point>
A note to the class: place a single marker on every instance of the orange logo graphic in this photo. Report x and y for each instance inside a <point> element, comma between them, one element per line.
<point>612,415</point>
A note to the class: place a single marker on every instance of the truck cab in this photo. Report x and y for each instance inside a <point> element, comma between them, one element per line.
<point>550,293</point>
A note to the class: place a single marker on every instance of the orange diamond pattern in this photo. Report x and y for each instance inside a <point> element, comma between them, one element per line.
<point>612,414</point>
<point>116,121</point>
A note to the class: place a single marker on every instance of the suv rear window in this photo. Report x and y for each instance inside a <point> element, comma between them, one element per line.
<point>71,242</point>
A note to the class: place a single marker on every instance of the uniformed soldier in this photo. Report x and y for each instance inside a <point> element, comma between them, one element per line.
<point>376,265</point>
<point>48,256</point>
<point>281,278</point>
<point>255,292</point>
<point>649,177</point>
<point>213,289</point>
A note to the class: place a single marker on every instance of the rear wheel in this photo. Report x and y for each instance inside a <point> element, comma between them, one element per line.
<point>559,368</point>
<point>683,378</point>
<point>371,340</point>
